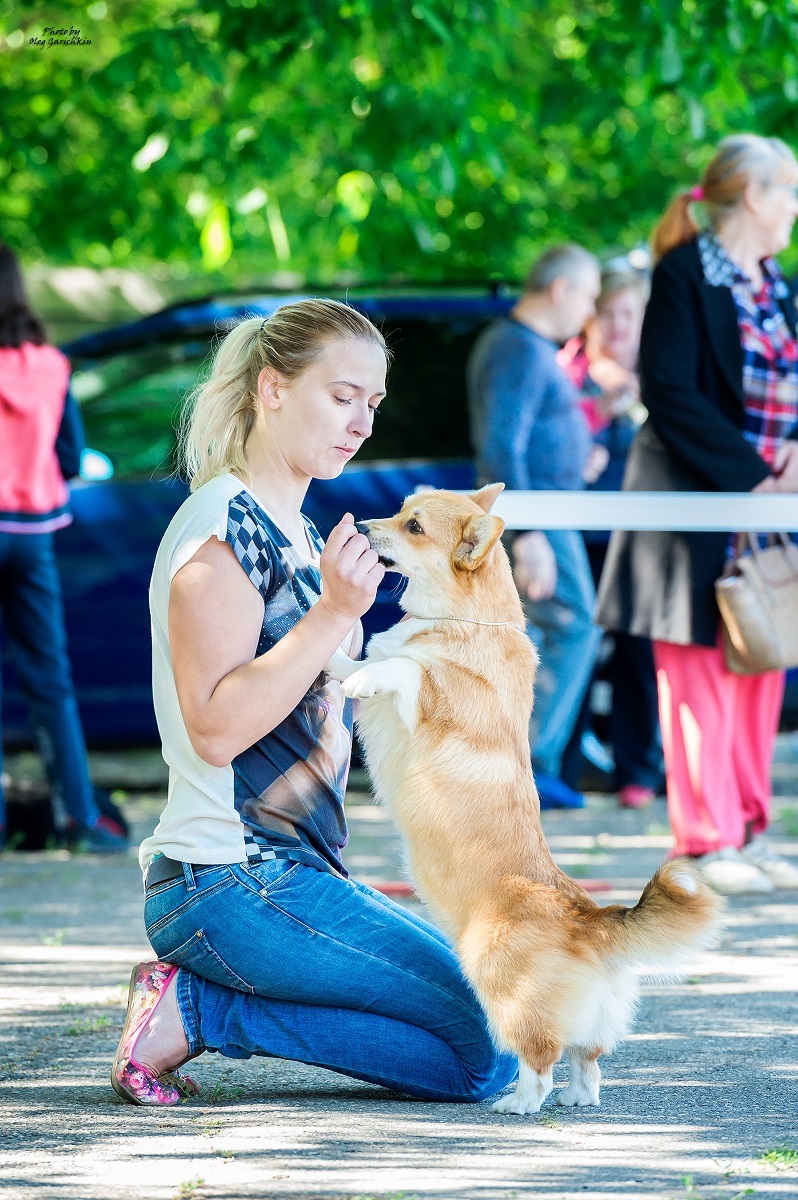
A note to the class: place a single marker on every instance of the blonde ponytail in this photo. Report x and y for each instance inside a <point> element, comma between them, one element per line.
<point>739,160</point>
<point>221,411</point>
<point>676,225</point>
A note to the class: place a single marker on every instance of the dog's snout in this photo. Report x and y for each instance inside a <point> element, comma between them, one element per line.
<point>362,527</point>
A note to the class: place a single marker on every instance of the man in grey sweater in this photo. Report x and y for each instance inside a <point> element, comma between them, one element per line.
<point>527,431</point>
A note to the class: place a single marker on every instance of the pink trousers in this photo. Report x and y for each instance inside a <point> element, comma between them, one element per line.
<point>718,732</point>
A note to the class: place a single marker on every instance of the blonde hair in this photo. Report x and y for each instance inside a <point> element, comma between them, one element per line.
<point>613,282</point>
<point>220,413</point>
<point>738,161</point>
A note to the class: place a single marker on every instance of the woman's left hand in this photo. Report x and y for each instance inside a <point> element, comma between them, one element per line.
<point>596,464</point>
<point>785,467</point>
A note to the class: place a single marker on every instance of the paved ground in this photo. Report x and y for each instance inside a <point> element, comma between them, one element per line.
<point>700,1104</point>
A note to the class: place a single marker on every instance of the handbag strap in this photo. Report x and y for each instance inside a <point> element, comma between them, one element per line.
<point>781,540</point>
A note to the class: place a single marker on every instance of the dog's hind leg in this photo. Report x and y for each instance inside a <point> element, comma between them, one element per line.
<point>584,1078</point>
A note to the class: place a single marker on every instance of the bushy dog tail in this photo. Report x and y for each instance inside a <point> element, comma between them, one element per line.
<point>676,917</point>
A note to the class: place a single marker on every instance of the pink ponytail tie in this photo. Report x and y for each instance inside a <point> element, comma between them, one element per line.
<point>697,193</point>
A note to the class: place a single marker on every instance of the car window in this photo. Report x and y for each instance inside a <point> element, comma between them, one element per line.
<point>131,401</point>
<point>424,414</point>
<point>131,404</point>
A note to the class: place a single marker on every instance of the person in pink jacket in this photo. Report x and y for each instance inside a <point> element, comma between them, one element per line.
<point>41,438</point>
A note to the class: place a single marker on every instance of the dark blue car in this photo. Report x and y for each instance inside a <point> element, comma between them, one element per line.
<point>130,382</point>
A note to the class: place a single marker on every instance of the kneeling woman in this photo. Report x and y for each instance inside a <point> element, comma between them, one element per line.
<point>265,945</point>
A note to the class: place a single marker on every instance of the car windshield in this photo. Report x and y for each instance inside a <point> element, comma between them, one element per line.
<point>131,401</point>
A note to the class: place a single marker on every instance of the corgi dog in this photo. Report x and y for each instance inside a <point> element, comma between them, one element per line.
<point>445,698</point>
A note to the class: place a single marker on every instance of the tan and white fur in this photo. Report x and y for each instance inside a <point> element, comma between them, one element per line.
<point>445,698</point>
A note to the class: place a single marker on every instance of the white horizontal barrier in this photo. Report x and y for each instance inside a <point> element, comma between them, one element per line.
<point>685,511</point>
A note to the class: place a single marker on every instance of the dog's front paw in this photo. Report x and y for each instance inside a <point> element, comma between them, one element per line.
<point>340,666</point>
<point>579,1095</point>
<point>517,1103</point>
<point>362,685</point>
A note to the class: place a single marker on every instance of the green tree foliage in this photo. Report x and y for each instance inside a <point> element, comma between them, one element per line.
<point>370,139</point>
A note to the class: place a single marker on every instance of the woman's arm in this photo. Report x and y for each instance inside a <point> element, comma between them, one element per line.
<point>785,470</point>
<point>228,698</point>
<point>71,440</point>
<point>688,421</point>
<point>513,391</point>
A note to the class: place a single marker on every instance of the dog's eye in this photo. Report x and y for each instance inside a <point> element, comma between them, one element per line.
<point>413,527</point>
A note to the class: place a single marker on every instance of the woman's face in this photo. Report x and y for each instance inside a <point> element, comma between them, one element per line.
<point>319,420</point>
<point>773,210</point>
<point>620,319</point>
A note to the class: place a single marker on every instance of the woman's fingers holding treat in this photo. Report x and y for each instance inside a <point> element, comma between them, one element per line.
<point>350,569</point>
<point>342,533</point>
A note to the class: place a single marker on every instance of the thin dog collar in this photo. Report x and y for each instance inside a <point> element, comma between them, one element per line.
<point>469,621</point>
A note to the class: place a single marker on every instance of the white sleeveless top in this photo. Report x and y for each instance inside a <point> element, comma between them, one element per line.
<point>282,797</point>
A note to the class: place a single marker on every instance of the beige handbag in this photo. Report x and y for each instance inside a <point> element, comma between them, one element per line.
<point>757,596</point>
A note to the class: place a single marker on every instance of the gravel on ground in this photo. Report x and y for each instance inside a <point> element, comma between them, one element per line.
<point>701,1102</point>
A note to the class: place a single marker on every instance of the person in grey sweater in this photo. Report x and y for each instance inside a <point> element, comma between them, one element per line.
<point>528,432</point>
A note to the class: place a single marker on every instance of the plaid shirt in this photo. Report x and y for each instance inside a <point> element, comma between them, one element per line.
<point>770,352</point>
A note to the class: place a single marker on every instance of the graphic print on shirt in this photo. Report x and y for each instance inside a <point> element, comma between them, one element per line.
<point>289,787</point>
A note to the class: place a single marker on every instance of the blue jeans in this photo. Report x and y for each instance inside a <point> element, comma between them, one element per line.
<point>30,602</point>
<point>567,640</point>
<point>285,961</point>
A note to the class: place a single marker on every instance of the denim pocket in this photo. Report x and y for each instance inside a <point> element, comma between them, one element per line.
<point>198,956</point>
<point>273,874</point>
<point>283,886</point>
<point>162,907</point>
<point>159,888</point>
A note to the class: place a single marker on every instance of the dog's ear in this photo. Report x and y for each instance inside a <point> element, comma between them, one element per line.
<point>480,534</point>
<point>486,496</point>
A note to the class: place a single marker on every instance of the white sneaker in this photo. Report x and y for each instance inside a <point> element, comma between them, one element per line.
<point>732,875</point>
<point>779,870</point>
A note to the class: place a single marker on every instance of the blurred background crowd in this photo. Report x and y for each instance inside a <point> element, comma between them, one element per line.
<point>487,195</point>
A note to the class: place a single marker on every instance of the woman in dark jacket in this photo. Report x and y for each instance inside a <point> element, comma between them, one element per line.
<point>719,377</point>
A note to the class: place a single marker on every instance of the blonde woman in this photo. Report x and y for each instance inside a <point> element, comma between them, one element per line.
<point>265,946</point>
<point>719,377</point>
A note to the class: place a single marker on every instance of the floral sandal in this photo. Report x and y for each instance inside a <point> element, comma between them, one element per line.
<point>134,1082</point>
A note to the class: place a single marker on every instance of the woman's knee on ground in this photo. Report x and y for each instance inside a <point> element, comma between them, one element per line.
<point>481,1085</point>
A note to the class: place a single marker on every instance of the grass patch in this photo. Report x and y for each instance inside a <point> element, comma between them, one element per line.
<point>222,1092</point>
<point>691,1192</point>
<point>53,939</point>
<point>189,1187</point>
<point>385,1196</point>
<point>789,821</point>
<point>784,1157</point>
<point>209,1126</point>
<point>89,1025</point>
